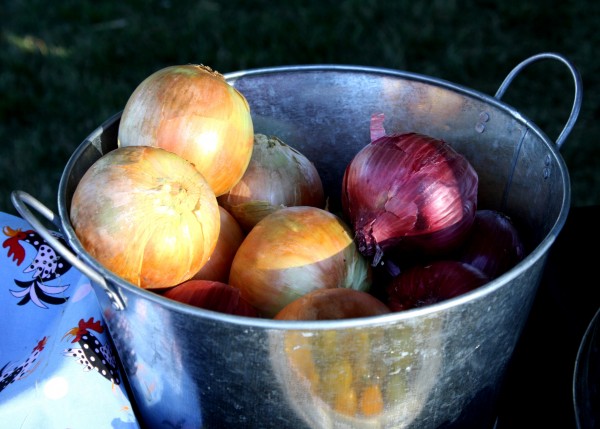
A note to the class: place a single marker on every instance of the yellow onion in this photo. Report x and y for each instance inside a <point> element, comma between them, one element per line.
<point>333,304</point>
<point>293,251</point>
<point>277,176</point>
<point>194,112</point>
<point>147,215</point>
<point>409,192</point>
<point>231,236</point>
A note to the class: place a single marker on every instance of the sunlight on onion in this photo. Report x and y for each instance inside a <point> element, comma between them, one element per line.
<point>147,215</point>
<point>191,110</point>
<point>293,251</point>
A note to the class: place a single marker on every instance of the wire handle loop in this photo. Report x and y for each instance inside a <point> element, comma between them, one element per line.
<point>576,80</point>
<point>22,201</point>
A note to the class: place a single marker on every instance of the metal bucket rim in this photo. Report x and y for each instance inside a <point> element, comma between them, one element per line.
<point>505,279</point>
<point>231,77</point>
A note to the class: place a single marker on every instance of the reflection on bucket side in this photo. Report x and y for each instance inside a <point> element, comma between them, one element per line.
<point>377,376</point>
<point>154,364</point>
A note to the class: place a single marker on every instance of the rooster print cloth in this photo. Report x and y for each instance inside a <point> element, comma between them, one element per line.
<point>58,367</point>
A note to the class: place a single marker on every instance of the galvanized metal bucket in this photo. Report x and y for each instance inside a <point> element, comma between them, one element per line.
<point>436,366</point>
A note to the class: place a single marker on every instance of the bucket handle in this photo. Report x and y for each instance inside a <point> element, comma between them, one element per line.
<point>576,80</point>
<point>21,200</point>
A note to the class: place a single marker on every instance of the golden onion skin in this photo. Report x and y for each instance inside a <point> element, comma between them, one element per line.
<point>231,236</point>
<point>194,112</point>
<point>293,251</point>
<point>277,176</point>
<point>333,304</point>
<point>147,215</point>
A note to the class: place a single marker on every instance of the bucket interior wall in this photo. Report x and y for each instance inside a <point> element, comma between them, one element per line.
<point>235,372</point>
<point>327,117</point>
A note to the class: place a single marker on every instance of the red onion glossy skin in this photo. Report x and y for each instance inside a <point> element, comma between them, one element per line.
<point>409,192</point>
<point>428,284</point>
<point>493,244</point>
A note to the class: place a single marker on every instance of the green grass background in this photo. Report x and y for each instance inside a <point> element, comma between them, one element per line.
<point>68,65</point>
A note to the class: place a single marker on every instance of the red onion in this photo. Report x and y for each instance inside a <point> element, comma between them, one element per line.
<point>493,244</point>
<point>422,285</point>
<point>408,192</point>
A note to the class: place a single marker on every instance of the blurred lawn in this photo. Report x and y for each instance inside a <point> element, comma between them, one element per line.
<point>68,65</point>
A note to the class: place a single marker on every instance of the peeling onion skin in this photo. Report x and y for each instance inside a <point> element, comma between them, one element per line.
<point>277,176</point>
<point>147,215</point>
<point>411,193</point>
<point>493,245</point>
<point>194,112</point>
<point>333,304</point>
<point>293,251</point>
<point>427,284</point>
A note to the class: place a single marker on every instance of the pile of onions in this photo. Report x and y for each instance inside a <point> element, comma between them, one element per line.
<point>194,112</point>
<point>211,295</point>
<point>277,176</point>
<point>147,215</point>
<point>293,251</point>
<point>426,284</point>
<point>408,191</point>
<point>237,221</point>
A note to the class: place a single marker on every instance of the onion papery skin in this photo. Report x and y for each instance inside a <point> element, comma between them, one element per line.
<point>293,251</point>
<point>411,193</point>
<point>493,245</point>
<point>333,304</point>
<point>147,215</point>
<point>427,284</point>
<point>277,176</point>
<point>194,112</point>
<point>231,236</point>
<point>211,295</point>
